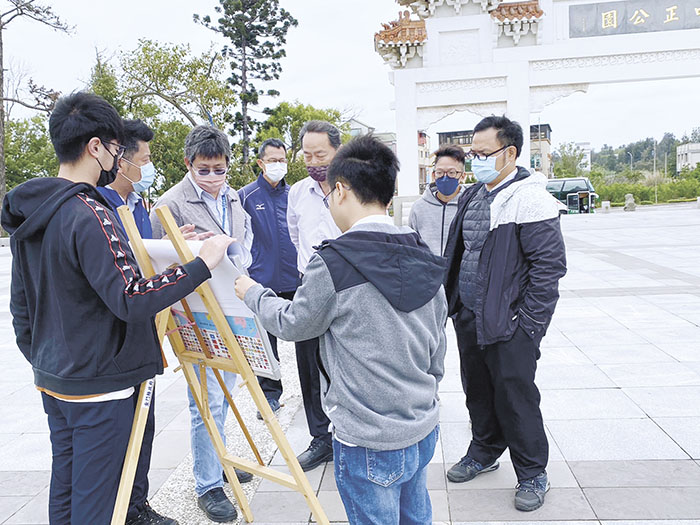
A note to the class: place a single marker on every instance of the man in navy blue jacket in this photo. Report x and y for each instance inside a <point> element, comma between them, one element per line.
<point>82,312</point>
<point>274,255</point>
<point>505,257</point>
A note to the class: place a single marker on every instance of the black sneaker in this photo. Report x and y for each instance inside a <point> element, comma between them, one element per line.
<point>242,475</point>
<point>274,405</point>
<point>466,469</point>
<point>216,506</point>
<point>150,517</point>
<point>318,453</point>
<point>530,493</point>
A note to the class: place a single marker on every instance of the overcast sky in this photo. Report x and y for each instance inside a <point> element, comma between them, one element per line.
<point>331,63</point>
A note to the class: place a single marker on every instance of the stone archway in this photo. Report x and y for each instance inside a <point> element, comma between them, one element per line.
<point>487,56</point>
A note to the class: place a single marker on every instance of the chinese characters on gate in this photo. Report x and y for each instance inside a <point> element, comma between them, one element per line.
<point>633,16</point>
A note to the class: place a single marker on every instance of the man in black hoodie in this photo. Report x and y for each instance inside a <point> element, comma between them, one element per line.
<point>82,312</point>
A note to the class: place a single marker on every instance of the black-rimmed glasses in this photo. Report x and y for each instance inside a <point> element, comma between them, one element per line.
<point>471,155</point>
<point>120,149</point>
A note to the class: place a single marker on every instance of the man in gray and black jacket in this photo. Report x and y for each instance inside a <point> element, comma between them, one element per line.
<point>505,257</point>
<point>374,296</point>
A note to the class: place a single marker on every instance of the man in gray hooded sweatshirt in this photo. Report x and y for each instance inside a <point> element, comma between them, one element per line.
<point>374,297</point>
<point>432,214</point>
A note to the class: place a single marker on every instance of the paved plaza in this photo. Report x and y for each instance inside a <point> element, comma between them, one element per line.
<point>620,382</point>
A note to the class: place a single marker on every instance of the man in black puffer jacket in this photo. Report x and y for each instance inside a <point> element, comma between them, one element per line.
<point>505,257</point>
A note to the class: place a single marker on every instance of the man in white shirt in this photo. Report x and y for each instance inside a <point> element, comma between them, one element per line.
<point>310,223</point>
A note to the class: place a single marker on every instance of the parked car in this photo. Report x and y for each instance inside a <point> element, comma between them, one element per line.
<point>560,188</point>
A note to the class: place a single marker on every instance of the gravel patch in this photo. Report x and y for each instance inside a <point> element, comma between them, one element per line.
<point>176,498</point>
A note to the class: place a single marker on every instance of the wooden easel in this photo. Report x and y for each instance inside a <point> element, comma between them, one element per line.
<point>166,325</point>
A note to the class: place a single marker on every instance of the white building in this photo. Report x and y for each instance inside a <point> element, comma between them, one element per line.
<point>586,161</point>
<point>687,155</point>
<point>514,58</point>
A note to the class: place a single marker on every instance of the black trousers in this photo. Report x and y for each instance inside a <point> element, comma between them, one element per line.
<point>88,442</point>
<point>502,398</point>
<point>310,380</point>
<point>271,387</point>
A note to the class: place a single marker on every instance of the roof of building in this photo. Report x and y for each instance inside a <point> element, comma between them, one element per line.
<point>402,31</point>
<point>518,11</point>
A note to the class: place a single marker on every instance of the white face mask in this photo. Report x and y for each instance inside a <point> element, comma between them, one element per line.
<point>276,171</point>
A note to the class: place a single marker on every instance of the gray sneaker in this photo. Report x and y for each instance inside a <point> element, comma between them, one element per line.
<point>467,469</point>
<point>530,493</point>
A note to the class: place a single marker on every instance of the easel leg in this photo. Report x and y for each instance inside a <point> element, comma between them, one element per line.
<point>126,483</point>
<point>198,393</point>
<point>239,418</point>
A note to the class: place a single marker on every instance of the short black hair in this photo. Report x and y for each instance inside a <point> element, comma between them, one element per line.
<point>79,117</point>
<point>270,143</point>
<point>207,142</point>
<point>369,167</point>
<point>135,131</point>
<point>509,132</point>
<point>451,151</point>
<point>322,126</point>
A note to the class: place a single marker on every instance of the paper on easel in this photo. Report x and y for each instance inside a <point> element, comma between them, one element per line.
<point>251,337</point>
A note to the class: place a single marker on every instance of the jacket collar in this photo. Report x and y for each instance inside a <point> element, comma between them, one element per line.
<point>262,182</point>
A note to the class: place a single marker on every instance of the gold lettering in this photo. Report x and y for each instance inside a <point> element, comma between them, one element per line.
<point>639,17</point>
<point>610,19</point>
<point>671,14</point>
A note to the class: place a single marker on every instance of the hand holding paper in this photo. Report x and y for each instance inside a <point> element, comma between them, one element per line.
<point>243,284</point>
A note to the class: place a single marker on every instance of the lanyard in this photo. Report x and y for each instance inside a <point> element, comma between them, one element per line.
<point>223,213</point>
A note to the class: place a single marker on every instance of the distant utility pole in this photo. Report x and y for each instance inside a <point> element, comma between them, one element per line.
<point>656,182</point>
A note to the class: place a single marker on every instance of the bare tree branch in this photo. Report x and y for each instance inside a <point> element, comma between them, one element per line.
<point>26,105</point>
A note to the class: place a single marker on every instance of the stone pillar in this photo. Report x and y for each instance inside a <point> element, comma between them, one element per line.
<point>518,105</point>
<point>406,132</point>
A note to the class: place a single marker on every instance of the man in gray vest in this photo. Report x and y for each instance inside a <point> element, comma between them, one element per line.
<point>204,199</point>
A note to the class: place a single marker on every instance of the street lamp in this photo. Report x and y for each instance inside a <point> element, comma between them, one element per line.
<point>631,159</point>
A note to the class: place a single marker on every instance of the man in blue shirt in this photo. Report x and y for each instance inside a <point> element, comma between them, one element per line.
<point>274,255</point>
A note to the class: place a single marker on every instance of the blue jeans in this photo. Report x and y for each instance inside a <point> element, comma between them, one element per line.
<point>206,465</point>
<point>386,487</point>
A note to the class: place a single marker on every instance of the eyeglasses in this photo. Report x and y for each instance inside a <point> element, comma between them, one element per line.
<point>479,156</point>
<point>328,196</point>
<point>120,149</point>
<point>450,173</point>
<point>205,172</point>
<point>325,199</point>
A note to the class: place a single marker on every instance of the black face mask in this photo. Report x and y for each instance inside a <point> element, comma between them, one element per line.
<point>108,177</point>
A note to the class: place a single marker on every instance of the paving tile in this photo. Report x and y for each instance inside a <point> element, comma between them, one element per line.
<point>23,482</point>
<point>588,404</point>
<point>453,407</point>
<point>651,522</point>
<point>676,401</point>
<point>28,452</point>
<point>559,377</point>
<point>497,505</point>
<point>567,355</point>
<point>333,505</point>
<point>592,338</point>
<point>621,354</point>
<point>280,507</point>
<point>170,447</point>
<point>643,503</point>
<point>9,505</point>
<point>685,431</point>
<point>625,439</point>
<point>601,474</point>
<point>651,374</point>
<point>685,351</point>
<point>35,512</point>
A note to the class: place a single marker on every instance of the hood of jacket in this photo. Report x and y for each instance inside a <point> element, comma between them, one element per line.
<point>28,209</point>
<point>399,265</point>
